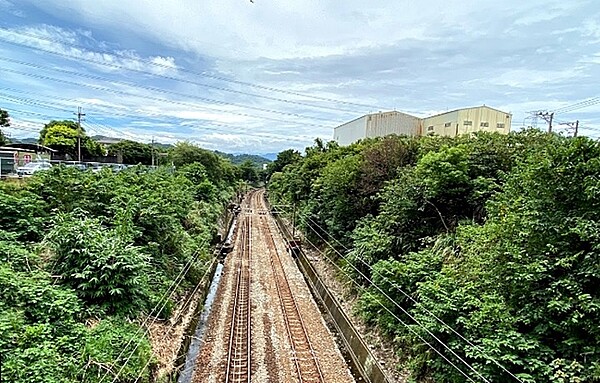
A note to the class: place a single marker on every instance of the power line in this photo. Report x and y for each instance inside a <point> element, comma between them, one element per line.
<point>168,67</point>
<point>181,103</point>
<point>186,81</point>
<point>351,279</point>
<point>399,289</point>
<point>43,104</point>
<point>401,308</point>
<point>195,256</point>
<point>578,105</point>
<point>158,99</point>
<point>160,90</point>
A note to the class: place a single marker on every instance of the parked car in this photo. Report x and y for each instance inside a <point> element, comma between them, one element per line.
<point>95,166</point>
<point>32,167</point>
<point>118,167</point>
<point>77,166</point>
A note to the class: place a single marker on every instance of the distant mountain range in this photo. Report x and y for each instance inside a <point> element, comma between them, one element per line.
<point>269,156</point>
<point>236,159</point>
<point>24,140</point>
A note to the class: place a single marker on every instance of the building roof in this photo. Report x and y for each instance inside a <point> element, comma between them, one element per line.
<point>105,140</point>
<point>472,107</point>
<point>12,150</point>
<point>29,147</point>
<point>374,114</point>
<point>422,118</point>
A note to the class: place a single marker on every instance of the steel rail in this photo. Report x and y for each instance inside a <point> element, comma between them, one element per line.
<point>239,361</point>
<point>304,355</point>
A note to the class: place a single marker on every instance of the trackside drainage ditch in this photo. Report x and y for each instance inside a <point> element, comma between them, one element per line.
<point>186,375</point>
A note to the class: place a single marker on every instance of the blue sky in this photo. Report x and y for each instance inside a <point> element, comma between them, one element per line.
<point>265,76</point>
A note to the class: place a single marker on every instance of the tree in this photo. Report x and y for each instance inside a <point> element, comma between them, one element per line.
<point>67,123</point>
<point>132,152</point>
<point>217,168</point>
<point>83,248</point>
<point>4,123</point>
<point>62,136</point>
<point>248,171</point>
<point>283,159</point>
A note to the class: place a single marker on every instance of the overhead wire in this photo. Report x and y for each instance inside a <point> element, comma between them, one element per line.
<point>159,90</point>
<point>401,308</point>
<point>399,289</point>
<point>167,67</point>
<point>165,297</point>
<point>190,82</point>
<point>158,99</point>
<point>190,296</point>
<point>578,105</point>
<point>361,287</point>
<point>43,104</point>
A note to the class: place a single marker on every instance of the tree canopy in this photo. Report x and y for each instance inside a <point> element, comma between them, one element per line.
<point>217,168</point>
<point>63,135</point>
<point>85,257</point>
<point>4,123</point>
<point>495,235</point>
<point>133,152</point>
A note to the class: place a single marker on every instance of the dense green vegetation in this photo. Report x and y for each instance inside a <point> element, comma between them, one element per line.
<point>63,135</point>
<point>238,159</point>
<point>496,236</point>
<point>85,257</point>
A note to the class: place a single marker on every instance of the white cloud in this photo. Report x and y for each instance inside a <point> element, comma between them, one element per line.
<point>65,43</point>
<point>417,57</point>
<point>276,29</point>
<point>527,78</point>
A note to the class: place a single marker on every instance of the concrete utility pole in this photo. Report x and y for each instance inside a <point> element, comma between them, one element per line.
<point>548,117</point>
<point>79,115</point>
<point>152,149</point>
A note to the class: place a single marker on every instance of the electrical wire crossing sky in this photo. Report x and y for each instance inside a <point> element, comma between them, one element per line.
<point>260,78</point>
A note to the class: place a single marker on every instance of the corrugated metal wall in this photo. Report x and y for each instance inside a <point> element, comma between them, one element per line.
<point>468,120</point>
<point>383,124</point>
<point>351,131</point>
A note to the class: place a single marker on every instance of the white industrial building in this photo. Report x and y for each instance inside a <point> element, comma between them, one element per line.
<point>452,123</point>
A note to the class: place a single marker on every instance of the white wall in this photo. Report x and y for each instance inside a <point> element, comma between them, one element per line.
<point>351,131</point>
<point>383,124</point>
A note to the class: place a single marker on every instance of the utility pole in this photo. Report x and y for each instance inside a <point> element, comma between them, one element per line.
<point>548,117</point>
<point>294,222</point>
<point>79,115</point>
<point>574,126</point>
<point>152,149</point>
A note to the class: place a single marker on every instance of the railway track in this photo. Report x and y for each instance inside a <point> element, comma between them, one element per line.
<point>239,362</point>
<point>304,357</point>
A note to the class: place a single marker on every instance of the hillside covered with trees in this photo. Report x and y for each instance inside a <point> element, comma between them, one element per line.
<point>86,257</point>
<point>476,256</point>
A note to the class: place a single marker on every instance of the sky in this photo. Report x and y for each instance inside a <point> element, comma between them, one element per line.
<point>263,76</point>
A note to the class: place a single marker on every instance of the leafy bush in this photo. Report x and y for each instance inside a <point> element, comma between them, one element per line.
<point>116,348</point>
<point>105,270</point>
<point>497,236</point>
<point>84,255</point>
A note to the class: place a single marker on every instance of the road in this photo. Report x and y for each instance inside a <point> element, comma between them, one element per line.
<point>265,325</point>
